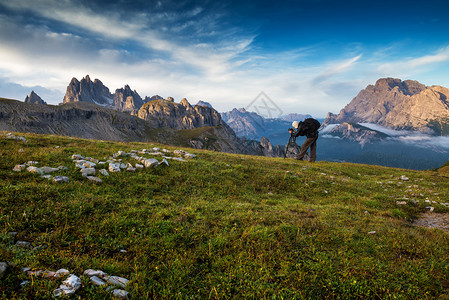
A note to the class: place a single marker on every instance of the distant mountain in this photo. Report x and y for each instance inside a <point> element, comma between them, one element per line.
<point>34,98</point>
<point>294,117</point>
<point>88,91</point>
<point>400,105</point>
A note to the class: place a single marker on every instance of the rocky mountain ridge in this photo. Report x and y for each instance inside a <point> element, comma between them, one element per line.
<point>400,105</point>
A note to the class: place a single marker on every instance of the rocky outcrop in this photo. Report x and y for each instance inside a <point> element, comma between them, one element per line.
<point>398,104</point>
<point>204,103</point>
<point>88,91</point>
<point>245,123</point>
<point>356,133</point>
<point>34,98</point>
<point>165,113</point>
<point>127,100</point>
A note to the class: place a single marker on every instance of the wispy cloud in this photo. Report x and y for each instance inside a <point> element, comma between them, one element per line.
<point>336,69</point>
<point>409,65</point>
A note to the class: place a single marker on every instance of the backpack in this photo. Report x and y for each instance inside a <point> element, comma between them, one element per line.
<point>312,124</point>
<point>308,127</point>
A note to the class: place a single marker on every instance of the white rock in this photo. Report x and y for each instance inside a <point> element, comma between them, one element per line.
<point>61,273</point>
<point>117,281</point>
<point>97,281</point>
<point>372,232</point>
<point>35,170</point>
<point>156,149</point>
<point>94,179</point>
<point>122,153</point>
<point>179,152</point>
<point>114,167</point>
<point>19,168</point>
<point>62,168</point>
<point>47,177</point>
<point>131,169</point>
<point>46,170</point>
<point>89,164</point>
<point>72,281</point>
<point>430,208</point>
<point>31,162</point>
<point>164,162</point>
<point>401,202</point>
<point>104,172</point>
<point>189,155</point>
<point>166,151</point>
<point>151,162</point>
<point>91,272</point>
<point>404,178</point>
<point>178,159</point>
<point>87,171</point>
<point>61,179</point>
<point>77,157</point>
<point>119,294</point>
<point>139,166</point>
<point>122,166</point>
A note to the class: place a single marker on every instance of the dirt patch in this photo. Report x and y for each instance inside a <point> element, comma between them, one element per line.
<point>434,220</point>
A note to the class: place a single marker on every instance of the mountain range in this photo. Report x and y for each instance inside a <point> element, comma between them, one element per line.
<point>391,114</point>
<point>89,110</point>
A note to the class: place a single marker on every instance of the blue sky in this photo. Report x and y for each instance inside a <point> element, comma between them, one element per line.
<point>306,56</point>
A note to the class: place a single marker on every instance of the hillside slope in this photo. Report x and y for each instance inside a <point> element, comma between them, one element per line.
<point>218,225</point>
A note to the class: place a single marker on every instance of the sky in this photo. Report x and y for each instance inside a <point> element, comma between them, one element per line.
<point>273,57</point>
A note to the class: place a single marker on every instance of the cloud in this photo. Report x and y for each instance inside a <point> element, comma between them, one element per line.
<point>336,69</point>
<point>408,66</point>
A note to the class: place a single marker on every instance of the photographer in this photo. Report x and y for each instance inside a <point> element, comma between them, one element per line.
<point>309,128</point>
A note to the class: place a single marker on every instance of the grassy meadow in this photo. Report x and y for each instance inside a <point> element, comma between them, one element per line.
<point>220,226</point>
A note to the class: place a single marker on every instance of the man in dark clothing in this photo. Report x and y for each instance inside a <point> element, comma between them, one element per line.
<point>308,128</point>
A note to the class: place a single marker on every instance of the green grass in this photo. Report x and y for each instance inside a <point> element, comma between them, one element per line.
<point>221,226</point>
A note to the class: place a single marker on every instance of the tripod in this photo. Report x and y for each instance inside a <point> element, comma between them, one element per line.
<point>292,140</point>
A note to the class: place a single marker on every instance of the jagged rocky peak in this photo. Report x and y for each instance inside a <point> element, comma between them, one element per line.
<point>170,99</point>
<point>34,98</point>
<point>126,99</point>
<point>88,91</point>
<point>152,98</point>
<point>185,103</point>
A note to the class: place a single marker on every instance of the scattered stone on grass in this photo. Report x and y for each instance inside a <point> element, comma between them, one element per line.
<point>91,272</point>
<point>104,172</point>
<point>116,280</point>
<point>372,232</point>
<point>19,168</point>
<point>430,208</point>
<point>68,286</point>
<point>94,179</point>
<point>60,179</point>
<point>23,244</point>
<point>61,273</point>
<point>87,171</point>
<point>97,281</point>
<point>119,294</point>
<point>3,267</point>
<point>401,202</point>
